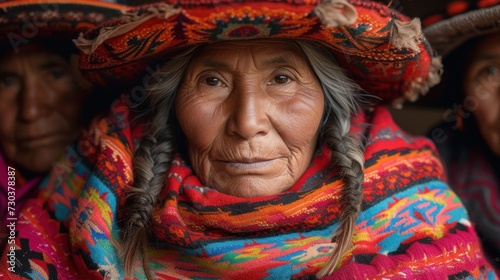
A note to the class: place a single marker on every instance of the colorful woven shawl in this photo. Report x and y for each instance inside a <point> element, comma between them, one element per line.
<point>411,226</point>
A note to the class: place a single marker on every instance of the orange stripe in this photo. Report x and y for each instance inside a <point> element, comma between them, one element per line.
<point>93,3</point>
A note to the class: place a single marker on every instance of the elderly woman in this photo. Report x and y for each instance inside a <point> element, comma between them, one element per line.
<point>42,93</point>
<point>469,137</point>
<point>256,153</point>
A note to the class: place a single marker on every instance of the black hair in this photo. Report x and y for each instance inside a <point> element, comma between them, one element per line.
<point>455,65</point>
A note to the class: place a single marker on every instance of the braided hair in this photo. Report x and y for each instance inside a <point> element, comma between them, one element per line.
<point>343,97</point>
<point>151,162</point>
<point>154,154</point>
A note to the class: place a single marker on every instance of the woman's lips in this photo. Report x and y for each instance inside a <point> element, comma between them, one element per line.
<point>253,164</point>
<point>41,140</point>
<point>246,166</point>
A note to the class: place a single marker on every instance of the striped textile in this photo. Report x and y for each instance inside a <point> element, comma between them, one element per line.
<point>411,226</point>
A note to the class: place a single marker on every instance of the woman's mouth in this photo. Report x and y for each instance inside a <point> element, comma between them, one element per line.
<point>246,166</point>
<point>40,140</point>
<point>250,163</point>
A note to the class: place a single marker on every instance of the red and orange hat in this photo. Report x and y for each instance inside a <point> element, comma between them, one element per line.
<point>457,21</point>
<point>23,20</point>
<point>384,51</point>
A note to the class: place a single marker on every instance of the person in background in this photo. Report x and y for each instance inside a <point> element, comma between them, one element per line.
<point>261,152</point>
<point>44,101</point>
<point>467,35</point>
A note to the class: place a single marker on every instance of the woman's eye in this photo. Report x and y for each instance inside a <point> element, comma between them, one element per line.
<point>489,76</point>
<point>489,71</point>
<point>57,73</point>
<point>7,81</point>
<point>212,81</point>
<point>281,79</point>
<point>492,70</point>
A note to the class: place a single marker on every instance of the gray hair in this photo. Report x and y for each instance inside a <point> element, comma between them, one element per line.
<point>154,154</point>
<point>343,97</point>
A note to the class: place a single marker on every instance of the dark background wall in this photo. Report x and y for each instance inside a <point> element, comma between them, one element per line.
<point>417,8</point>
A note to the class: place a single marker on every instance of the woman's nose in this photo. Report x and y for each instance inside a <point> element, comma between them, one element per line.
<point>35,100</point>
<point>249,113</point>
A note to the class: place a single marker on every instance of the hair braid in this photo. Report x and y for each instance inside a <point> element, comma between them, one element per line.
<point>346,152</point>
<point>151,164</point>
<point>343,98</point>
<point>153,157</point>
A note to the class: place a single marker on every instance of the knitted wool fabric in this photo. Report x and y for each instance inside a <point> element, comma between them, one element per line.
<point>411,226</point>
<point>24,20</point>
<point>383,50</point>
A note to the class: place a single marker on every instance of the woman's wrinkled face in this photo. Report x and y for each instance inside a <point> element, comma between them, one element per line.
<point>40,104</point>
<point>482,89</point>
<point>251,113</point>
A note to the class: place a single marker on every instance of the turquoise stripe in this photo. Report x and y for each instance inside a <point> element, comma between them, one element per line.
<point>426,209</point>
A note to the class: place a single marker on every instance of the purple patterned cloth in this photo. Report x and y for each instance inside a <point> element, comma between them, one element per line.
<point>473,173</point>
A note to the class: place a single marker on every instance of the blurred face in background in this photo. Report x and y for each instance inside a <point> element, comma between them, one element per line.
<point>251,113</point>
<point>41,96</point>
<point>482,89</point>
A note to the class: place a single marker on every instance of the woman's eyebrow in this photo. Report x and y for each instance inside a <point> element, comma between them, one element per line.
<point>481,57</point>
<point>7,72</point>
<point>276,60</point>
<point>282,58</point>
<point>50,64</point>
<point>215,64</point>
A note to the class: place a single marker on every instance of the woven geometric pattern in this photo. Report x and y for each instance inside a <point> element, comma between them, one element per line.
<point>411,223</point>
<point>23,20</point>
<point>363,48</point>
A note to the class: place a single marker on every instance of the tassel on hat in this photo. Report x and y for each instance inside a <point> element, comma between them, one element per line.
<point>419,86</point>
<point>130,21</point>
<point>333,13</point>
<point>406,34</point>
<point>433,78</point>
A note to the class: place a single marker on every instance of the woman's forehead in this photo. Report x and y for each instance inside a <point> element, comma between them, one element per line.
<point>36,55</point>
<point>487,49</point>
<point>264,51</point>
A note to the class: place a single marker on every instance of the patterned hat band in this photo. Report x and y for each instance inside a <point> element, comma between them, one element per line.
<point>22,21</point>
<point>383,50</point>
<point>454,8</point>
<point>449,33</point>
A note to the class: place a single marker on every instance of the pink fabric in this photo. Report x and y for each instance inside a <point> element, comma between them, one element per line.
<point>423,261</point>
<point>22,191</point>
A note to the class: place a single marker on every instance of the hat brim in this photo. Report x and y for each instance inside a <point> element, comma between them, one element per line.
<point>22,21</point>
<point>365,49</point>
<point>446,35</point>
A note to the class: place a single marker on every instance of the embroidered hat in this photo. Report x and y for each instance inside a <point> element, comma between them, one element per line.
<point>459,21</point>
<point>23,20</point>
<point>384,51</point>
